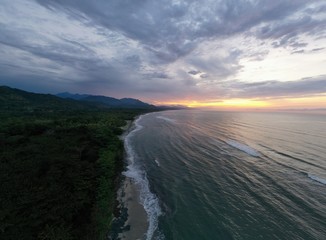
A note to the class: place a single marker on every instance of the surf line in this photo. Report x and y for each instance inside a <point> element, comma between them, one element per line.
<point>134,171</point>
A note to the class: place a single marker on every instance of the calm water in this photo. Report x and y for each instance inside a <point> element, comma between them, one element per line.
<point>224,175</point>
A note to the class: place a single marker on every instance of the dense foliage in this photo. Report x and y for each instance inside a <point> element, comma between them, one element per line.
<point>57,174</point>
<point>58,171</point>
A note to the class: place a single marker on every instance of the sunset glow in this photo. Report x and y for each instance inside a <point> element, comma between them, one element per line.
<point>230,103</point>
<point>317,102</point>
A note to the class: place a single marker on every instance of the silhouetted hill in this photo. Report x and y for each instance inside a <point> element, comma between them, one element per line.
<point>112,102</point>
<point>135,103</point>
<point>12,99</point>
<point>72,96</point>
<point>109,101</point>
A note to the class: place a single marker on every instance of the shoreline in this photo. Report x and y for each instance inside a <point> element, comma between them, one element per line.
<point>136,224</point>
<point>131,220</point>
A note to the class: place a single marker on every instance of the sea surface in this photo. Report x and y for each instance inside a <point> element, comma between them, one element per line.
<point>230,175</point>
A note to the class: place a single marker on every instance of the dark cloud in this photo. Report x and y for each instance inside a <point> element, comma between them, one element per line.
<point>298,51</point>
<point>297,45</point>
<point>286,33</point>
<point>173,29</point>
<point>317,49</point>
<point>194,72</point>
<point>157,75</point>
<point>288,29</point>
<point>277,89</point>
<point>204,75</point>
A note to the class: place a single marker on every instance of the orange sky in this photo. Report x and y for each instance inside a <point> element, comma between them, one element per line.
<point>312,102</point>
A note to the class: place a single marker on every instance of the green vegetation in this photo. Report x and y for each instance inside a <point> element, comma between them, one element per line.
<point>59,169</point>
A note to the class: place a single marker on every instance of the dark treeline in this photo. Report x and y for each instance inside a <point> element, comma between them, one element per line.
<point>58,172</point>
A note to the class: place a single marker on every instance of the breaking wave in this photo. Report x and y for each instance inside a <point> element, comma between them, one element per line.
<point>157,162</point>
<point>243,148</point>
<point>166,119</point>
<point>317,179</point>
<point>149,200</point>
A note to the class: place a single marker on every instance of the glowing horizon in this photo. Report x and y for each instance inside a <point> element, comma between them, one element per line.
<point>315,102</point>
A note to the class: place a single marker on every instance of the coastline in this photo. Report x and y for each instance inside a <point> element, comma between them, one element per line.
<point>130,222</point>
<point>136,225</point>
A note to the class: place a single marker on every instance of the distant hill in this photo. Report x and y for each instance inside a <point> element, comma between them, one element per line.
<point>109,101</point>
<point>12,99</point>
<point>72,96</point>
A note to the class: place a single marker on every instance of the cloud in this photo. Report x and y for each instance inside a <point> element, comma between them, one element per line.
<point>194,72</point>
<point>186,23</point>
<point>204,75</point>
<point>298,51</point>
<point>277,89</point>
<point>157,49</point>
<point>257,55</point>
<point>161,75</point>
<point>317,49</point>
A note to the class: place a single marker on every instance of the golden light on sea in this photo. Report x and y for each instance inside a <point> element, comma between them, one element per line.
<point>230,103</point>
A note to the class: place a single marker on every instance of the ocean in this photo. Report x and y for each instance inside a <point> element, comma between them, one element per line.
<point>229,175</point>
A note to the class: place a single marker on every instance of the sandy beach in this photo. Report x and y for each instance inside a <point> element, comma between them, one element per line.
<point>136,225</point>
<point>133,218</point>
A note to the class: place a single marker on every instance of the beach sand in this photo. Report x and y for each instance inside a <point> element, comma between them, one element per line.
<point>132,213</point>
<point>136,225</point>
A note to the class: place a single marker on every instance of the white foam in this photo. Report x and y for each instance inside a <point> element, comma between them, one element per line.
<point>167,119</point>
<point>157,162</point>
<point>317,179</point>
<point>243,148</point>
<point>147,198</point>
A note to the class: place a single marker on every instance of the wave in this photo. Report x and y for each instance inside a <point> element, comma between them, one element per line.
<point>317,179</point>
<point>166,119</point>
<point>149,200</point>
<point>157,162</point>
<point>243,148</point>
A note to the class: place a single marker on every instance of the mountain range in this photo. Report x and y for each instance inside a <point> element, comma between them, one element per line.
<point>108,101</point>
<point>12,99</point>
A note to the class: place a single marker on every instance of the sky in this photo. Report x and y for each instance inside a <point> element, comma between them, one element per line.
<point>226,54</point>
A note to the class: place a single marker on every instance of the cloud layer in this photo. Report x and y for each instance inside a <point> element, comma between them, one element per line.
<point>160,50</point>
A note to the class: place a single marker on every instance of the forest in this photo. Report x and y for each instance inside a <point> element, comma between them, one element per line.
<point>59,168</point>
